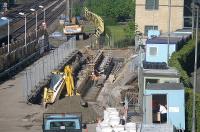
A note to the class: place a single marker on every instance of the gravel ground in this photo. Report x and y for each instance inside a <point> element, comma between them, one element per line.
<point>72,105</point>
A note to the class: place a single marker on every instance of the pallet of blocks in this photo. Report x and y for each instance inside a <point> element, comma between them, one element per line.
<point>113,123</point>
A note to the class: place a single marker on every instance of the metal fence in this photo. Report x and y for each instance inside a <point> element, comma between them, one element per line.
<point>39,73</point>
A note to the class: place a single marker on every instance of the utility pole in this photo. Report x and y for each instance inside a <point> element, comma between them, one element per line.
<point>195,71</point>
<point>169,26</point>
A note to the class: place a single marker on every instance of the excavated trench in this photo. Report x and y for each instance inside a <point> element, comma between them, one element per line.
<point>89,90</point>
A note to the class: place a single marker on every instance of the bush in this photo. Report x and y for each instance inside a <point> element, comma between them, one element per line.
<point>188,110</point>
<point>124,43</point>
<point>183,61</point>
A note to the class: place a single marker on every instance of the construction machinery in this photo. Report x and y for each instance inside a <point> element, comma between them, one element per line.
<point>72,27</point>
<point>62,122</point>
<point>59,80</point>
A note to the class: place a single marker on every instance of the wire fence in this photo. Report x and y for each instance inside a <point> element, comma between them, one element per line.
<point>38,73</point>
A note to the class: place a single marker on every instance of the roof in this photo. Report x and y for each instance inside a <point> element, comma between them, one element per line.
<point>171,72</point>
<point>184,31</point>
<point>163,40</point>
<point>177,35</point>
<point>155,65</point>
<point>165,86</point>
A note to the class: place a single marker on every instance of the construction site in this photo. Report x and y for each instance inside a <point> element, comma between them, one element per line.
<point>97,66</point>
<point>85,81</point>
<point>70,73</point>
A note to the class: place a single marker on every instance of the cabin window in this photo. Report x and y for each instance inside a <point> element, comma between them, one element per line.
<point>153,51</point>
<point>149,27</point>
<point>150,81</point>
<point>152,4</point>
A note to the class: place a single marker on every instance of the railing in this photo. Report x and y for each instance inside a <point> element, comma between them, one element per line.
<point>96,20</point>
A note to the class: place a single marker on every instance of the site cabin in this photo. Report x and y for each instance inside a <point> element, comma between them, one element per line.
<point>157,48</point>
<point>170,95</point>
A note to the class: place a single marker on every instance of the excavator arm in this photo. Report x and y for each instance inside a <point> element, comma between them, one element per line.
<point>69,80</point>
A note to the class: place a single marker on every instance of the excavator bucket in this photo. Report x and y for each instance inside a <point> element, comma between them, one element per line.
<point>48,95</point>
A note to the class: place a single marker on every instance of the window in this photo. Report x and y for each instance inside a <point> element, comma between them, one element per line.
<point>62,125</point>
<point>151,4</point>
<point>149,27</point>
<point>153,51</point>
<point>150,81</point>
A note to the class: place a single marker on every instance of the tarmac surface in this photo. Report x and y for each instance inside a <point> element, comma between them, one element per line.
<point>16,114</point>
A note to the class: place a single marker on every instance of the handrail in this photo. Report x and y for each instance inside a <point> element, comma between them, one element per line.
<point>96,20</point>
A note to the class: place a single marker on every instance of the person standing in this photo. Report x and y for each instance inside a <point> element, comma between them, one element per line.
<point>163,113</point>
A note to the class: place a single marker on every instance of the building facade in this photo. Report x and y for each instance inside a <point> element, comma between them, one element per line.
<point>154,14</point>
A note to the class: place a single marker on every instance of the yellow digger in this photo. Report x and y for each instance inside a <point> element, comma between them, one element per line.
<point>58,81</point>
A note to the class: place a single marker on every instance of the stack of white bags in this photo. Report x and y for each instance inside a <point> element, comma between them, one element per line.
<point>111,123</point>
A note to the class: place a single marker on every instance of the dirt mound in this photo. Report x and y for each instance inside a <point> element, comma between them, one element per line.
<point>73,105</point>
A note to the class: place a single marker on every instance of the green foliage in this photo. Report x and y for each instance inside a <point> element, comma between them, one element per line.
<point>183,61</point>
<point>118,36</point>
<point>130,29</point>
<point>116,32</point>
<point>124,43</point>
<point>179,60</point>
<point>188,110</point>
<point>112,9</point>
<point>77,9</point>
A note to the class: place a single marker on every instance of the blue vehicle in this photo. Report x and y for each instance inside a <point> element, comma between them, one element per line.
<point>62,123</point>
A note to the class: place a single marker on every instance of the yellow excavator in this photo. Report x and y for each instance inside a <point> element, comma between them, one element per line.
<point>59,80</point>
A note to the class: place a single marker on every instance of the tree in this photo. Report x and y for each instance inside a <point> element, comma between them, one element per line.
<point>119,10</point>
